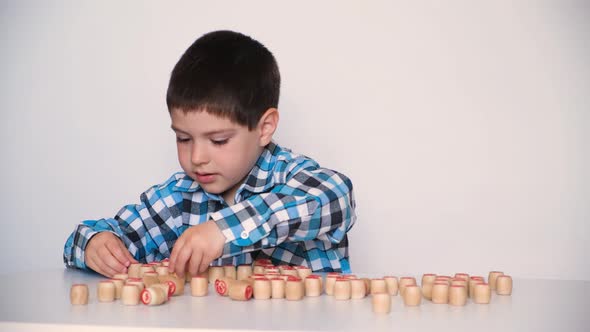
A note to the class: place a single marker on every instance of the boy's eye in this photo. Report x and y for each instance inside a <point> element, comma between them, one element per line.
<point>219,141</point>
<point>182,139</point>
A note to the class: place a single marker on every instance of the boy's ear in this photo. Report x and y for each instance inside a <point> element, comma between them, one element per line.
<point>267,125</point>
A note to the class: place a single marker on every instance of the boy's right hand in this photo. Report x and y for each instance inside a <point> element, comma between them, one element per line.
<point>107,255</point>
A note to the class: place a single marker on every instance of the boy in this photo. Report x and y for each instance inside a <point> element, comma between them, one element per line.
<point>241,196</point>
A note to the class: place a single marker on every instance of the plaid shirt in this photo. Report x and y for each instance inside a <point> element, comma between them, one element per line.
<point>288,209</point>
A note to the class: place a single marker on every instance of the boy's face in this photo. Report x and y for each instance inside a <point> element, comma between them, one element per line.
<point>216,152</point>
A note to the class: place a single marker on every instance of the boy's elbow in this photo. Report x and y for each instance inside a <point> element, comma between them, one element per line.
<point>349,203</point>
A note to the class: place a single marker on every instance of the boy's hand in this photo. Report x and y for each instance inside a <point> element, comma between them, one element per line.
<point>196,248</point>
<point>107,255</point>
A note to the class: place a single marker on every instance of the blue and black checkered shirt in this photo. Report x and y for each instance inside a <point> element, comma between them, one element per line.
<point>288,209</point>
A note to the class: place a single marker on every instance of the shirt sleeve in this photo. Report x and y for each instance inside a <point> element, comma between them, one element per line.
<point>315,203</point>
<point>148,229</point>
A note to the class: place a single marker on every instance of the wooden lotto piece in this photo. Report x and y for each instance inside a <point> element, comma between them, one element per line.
<point>405,281</point>
<point>330,281</point>
<point>240,290</point>
<point>277,286</point>
<point>381,303</point>
<point>440,292</point>
<point>427,290</point>
<point>313,285</point>
<point>378,285</point>
<point>145,268</point>
<point>284,267</point>
<point>289,271</point>
<point>462,276</point>
<point>262,289</point>
<point>471,284</point>
<point>427,283</point>
<point>303,271</point>
<point>150,278</point>
<point>178,283</point>
<point>446,279</point>
<point>253,277</point>
<point>244,271</point>
<point>171,286</point>
<point>118,287</point>
<point>342,289</point>
<point>358,289</point>
<point>428,278</point>
<point>367,285</point>
<point>199,286</point>
<point>258,269</point>
<point>492,276</point>
<point>162,270</point>
<point>272,269</point>
<point>122,276</point>
<point>412,295</point>
<point>294,289</point>
<point>165,262</point>
<point>153,296</point>
<point>138,282</point>
<point>216,272</point>
<point>79,294</point>
<point>223,284</point>
<point>457,295</point>
<point>271,275</point>
<point>392,284</point>
<point>130,294</point>
<point>204,274</point>
<point>133,270</point>
<point>262,262</point>
<point>482,293</point>
<point>459,281</point>
<point>230,271</point>
<point>316,276</point>
<point>504,285</point>
<point>166,287</point>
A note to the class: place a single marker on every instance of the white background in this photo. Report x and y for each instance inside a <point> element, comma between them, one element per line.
<point>464,125</point>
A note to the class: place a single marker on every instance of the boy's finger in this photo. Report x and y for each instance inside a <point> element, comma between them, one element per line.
<point>174,256</point>
<point>182,259</point>
<point>93,266</point>
<point>194,263</point>
<point>116,251</point>
<point>110,262</point>
<point>102,268</point>
<point>127,253</point>
<point>113,263</point>
<point>172,260</point>
<point>204,264</point>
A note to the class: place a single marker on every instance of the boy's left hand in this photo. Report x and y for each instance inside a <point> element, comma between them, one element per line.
<point>196,248</point>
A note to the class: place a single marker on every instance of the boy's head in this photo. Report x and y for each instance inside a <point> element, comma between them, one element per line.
<point>222,98</point>
<point>227,74</point>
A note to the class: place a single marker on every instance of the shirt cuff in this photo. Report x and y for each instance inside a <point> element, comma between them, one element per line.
<point>241,224</point>
<point>82,254</point>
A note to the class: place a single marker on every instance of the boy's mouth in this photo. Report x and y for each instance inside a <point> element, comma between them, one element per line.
<point>205,177</point>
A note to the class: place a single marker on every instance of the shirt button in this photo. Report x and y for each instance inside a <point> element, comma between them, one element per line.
<point>244,235</point>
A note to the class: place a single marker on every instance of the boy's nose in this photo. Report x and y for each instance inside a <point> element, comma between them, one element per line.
<point>199,154</point>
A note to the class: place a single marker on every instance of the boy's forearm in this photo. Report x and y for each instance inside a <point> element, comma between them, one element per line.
<point>75,248</point>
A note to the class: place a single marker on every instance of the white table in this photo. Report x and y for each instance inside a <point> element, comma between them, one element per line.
<point>40,301</point>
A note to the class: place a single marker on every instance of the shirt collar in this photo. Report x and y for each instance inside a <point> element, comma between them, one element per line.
<point>259,179</point>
